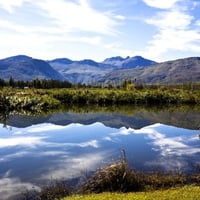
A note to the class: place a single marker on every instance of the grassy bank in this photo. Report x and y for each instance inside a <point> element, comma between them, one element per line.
<point>160,95</point>
<point>45,99</point>
<point>180,193</point>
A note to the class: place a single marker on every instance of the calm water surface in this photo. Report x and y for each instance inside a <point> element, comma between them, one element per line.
<point>64,145</point>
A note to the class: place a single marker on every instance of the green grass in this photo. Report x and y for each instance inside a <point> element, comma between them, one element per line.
<point>182,193</point>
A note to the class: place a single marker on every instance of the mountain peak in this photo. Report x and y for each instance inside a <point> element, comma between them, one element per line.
<point>138,57</point>
<point>128,62</point>
<point>113,59</point>
<point>62,60</point>
<point>18,58</point>
<point>88,62</point>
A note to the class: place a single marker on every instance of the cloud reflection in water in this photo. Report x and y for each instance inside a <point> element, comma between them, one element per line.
<point>178,145</point>
<point>46,151</point>
<point>10,187</point>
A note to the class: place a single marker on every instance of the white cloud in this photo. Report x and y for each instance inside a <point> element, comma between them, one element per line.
<point>162,4</point>
<point>117,48</point>
<point>20,141</point>
<point>12,26</point>
<point>173,19</point>
<point>9,5</point>
<point>165,145</point>
<point>169,164</point>
<point>27,40</point>
<point>70,167</point>
<point>11,156</point>
<point>170,145</point>
<point>175,31</point>
<point>197,23</point>
<point>10,187</point>
<point>90,143</point>
<point>93,40</point>
<point>181,40</point>
<point>79,16</point>
<point>28,29</point>
<point>42,139</point>
<point>63,24</point>
<point>44,128</point>
<point>120,17</point>
<point>52,153</point>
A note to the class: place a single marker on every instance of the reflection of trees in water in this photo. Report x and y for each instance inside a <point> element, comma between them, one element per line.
<point>4,109</point>
<point>133,116</point>
<point>4,118</point>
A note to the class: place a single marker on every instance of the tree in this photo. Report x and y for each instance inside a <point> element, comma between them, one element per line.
<point>11,82</point>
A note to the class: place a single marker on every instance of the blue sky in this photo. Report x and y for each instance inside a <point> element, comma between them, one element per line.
<point>97,29</point>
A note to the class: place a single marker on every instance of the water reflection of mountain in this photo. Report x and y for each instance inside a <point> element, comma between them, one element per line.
<point>110,120</point>
<point>134,117</point>
<point>188,119</point>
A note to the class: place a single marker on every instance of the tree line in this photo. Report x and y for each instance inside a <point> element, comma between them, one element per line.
<point>123,84</point>
<point>36,83</point>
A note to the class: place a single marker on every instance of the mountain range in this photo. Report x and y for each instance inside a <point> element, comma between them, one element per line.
<point>110,70</point>
<point>89,71</point>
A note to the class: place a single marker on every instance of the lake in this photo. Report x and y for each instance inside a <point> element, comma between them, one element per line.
<point>65,145</point>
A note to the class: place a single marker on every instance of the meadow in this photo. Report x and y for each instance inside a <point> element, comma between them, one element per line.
<point>183,193</point>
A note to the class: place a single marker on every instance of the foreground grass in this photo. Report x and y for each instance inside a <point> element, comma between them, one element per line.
<point>183,193</point>
<point>119,181</point>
